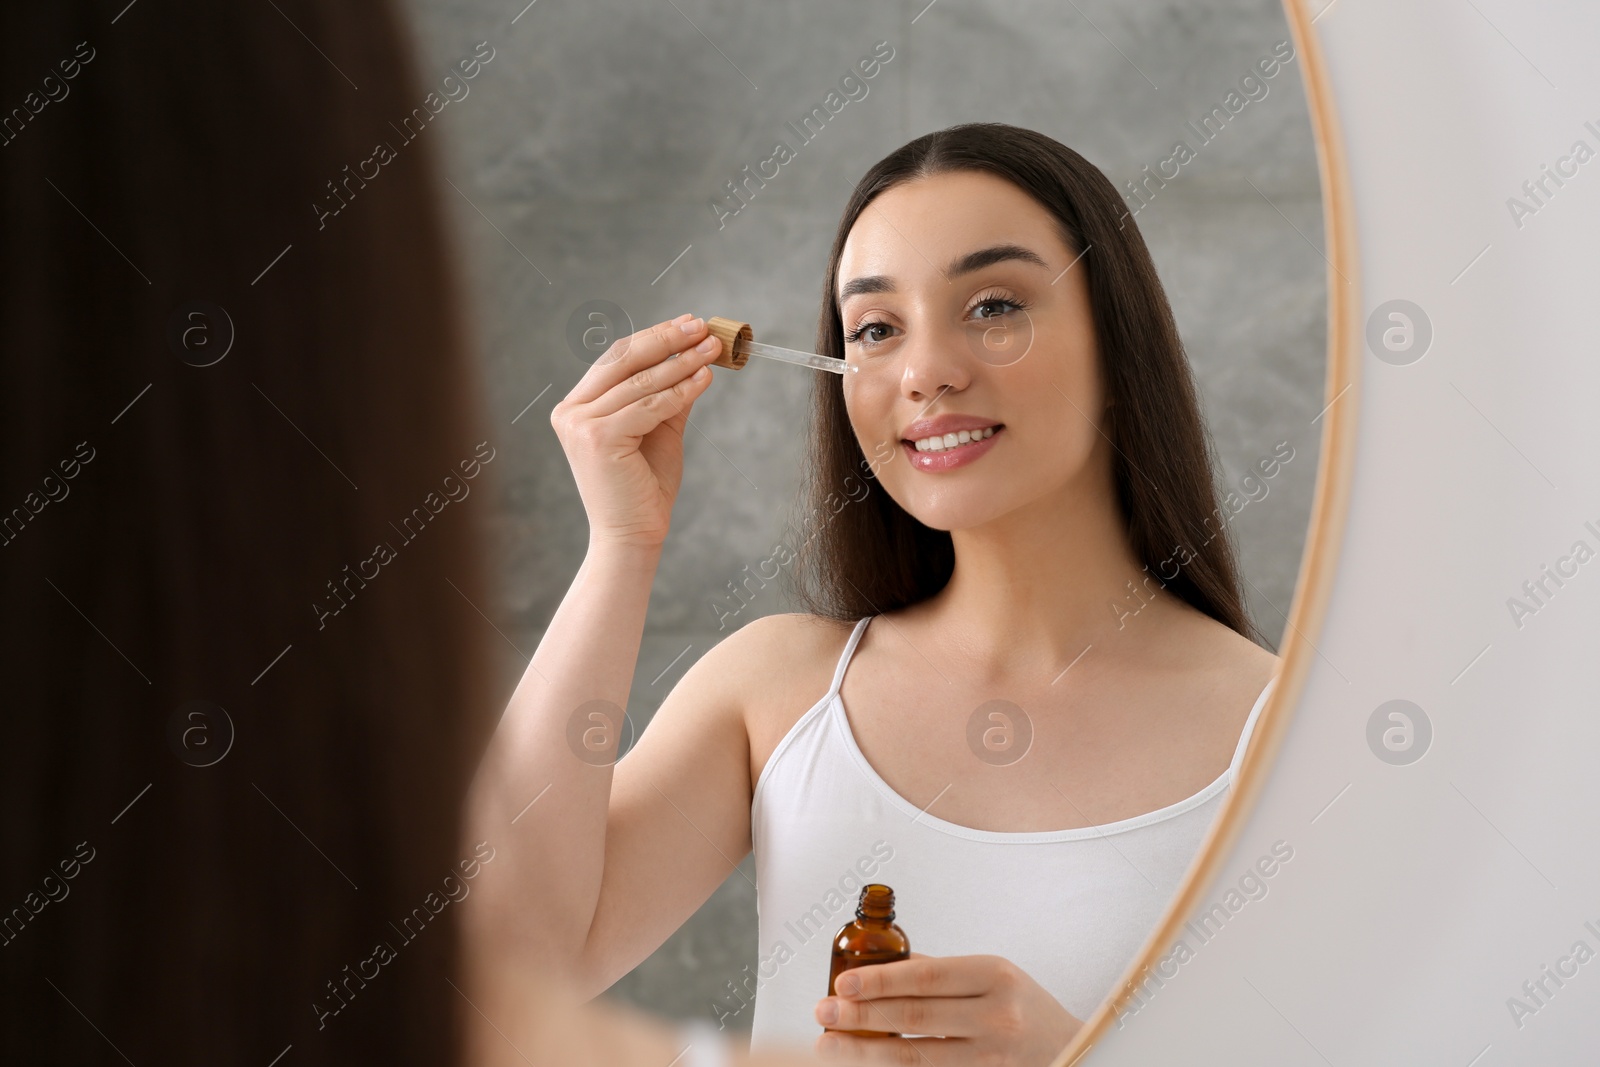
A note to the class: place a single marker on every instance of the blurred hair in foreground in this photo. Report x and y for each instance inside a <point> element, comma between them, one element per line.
<point>240,464</point>
<point>210,509</point>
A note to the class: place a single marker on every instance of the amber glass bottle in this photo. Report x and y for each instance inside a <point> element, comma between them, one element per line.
<point>872,938</point>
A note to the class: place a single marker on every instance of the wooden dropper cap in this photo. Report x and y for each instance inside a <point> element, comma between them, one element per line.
<point>730,332</point>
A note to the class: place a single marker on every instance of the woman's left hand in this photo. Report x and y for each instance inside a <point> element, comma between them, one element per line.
<point>973,1009</point>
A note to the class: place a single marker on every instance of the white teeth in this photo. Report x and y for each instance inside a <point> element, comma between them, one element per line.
<point>953,440</point>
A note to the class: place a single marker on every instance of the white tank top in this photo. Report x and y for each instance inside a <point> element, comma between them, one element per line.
<point>1069,907</point>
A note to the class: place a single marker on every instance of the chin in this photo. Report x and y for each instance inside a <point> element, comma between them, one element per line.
<point>952,513</point>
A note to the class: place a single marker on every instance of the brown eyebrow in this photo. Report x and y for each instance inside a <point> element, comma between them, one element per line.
<point>983,257</point>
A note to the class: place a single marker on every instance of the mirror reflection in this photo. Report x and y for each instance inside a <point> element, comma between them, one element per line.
<point>984,621</point>
<point>881,694</point>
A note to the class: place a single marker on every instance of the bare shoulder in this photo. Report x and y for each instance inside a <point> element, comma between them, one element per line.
<point>775,669</point>
<point>1234,669</point>
<point>1242,657</point>
<point>746,691</point>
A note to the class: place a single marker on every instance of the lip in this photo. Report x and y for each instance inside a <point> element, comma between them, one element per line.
<point>951,458</point>
<point>944,424</point>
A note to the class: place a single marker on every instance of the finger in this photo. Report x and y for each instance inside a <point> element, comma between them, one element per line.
<point>648,412</point>
<point>634,352</point>
<point>918,1051</point>
<point>922,976</point>
<point>938,1016</point>
<point>655,378</point>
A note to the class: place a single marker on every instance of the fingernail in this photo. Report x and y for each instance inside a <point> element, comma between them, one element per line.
<point>692,326</point>
<point>827,1012</point>
<point>686,315</point>
<point>707,345</point>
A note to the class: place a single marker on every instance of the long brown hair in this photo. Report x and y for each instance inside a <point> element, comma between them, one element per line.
<point>872,556</point>
<point>186,533</point>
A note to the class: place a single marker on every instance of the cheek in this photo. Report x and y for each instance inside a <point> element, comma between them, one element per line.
<point>1060,404</point>
<point>869,405</point>
<point>1074,371</point>
<point>1071,367</point>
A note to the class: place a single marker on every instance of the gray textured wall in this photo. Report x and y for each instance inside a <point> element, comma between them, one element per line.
<point>585,157</point>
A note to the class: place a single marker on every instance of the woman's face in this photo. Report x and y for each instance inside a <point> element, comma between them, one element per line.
<point>961,314</point>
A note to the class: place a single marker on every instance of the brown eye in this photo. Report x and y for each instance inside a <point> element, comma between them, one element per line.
<point>865,333</point>
<point>1000,304</point>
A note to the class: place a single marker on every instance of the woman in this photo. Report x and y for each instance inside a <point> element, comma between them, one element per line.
<point>1049,669</point>
<point>236,744</point>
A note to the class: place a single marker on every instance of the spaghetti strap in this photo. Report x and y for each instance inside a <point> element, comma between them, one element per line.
<point>844,657</point>
<point>1249,728</point>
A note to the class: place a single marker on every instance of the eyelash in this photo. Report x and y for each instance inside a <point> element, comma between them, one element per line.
<point>854,336</point>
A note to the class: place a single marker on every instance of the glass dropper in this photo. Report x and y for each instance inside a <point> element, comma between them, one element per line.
<point>789,355</point>
<point>739,343</point>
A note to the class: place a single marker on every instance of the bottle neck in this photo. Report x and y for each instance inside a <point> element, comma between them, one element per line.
<point>876,905</point>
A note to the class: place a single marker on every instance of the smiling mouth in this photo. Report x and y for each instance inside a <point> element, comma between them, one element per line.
<point>951,441</point>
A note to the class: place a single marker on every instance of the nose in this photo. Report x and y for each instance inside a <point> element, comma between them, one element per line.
<point>935,362</point>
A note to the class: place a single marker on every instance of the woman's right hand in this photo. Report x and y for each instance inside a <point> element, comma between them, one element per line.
<point>622,428</point>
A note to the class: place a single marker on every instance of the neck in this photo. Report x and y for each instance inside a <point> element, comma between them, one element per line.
<point>1035,587</point>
